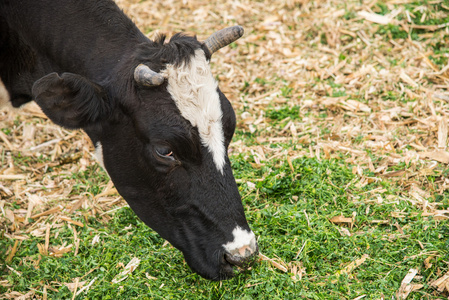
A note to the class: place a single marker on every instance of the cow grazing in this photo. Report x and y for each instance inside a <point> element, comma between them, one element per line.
<point>159,122</point>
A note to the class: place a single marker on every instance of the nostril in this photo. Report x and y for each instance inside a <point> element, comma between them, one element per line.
<point>244,251</point>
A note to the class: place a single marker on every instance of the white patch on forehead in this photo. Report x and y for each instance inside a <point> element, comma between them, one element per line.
<point>243,239</point>
<point>99,154</point>
<point>194,90</point>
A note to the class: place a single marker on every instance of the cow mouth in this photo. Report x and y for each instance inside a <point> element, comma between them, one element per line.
<point>234,265</point>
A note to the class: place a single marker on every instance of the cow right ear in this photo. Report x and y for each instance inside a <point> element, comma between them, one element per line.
<point>70,100</point>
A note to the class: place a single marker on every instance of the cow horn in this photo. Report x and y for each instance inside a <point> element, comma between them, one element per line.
<point>143,75</point>
<point>223,38</point>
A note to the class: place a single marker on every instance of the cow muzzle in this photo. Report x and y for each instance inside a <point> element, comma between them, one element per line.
<point>241,252</point>
<point>242,262</point>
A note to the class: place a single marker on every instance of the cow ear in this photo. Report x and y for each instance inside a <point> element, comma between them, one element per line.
<point>71,100</point>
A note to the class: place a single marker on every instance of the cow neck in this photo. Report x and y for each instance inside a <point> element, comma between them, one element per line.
<point>80,37</point>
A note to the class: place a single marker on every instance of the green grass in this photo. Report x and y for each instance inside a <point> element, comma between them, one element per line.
<point>282,112</point>
<point>419,12</point>
<point>288,213</point>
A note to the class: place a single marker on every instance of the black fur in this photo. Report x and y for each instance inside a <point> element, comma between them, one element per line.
<point>72,100</point>
<point>76,59</point>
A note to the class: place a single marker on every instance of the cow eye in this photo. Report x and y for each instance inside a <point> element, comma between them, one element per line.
<point>165,152</point>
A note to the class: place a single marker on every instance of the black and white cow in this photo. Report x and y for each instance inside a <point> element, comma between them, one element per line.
<point>153,110</point>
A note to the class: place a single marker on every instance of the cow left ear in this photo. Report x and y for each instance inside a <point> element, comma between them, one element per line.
<point>70,100</point>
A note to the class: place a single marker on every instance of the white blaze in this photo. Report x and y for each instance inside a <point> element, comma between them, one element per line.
<point>194,90</point>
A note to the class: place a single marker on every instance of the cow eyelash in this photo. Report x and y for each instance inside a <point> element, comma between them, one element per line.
<point>168,154</point>
<point>165,153</point>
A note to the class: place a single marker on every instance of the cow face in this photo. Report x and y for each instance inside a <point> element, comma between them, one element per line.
<point>165,149</point>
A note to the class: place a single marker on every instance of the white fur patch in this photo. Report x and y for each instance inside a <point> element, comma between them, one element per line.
<point>242,239</point>
<point>4,97</point>
<point>99,154</point>
<point>194,90</point>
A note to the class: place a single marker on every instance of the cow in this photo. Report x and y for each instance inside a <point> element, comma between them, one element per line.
<point>160,125</point>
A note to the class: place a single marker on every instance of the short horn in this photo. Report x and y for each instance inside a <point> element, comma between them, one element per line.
<point>223,38</point>
<point>143,75</point>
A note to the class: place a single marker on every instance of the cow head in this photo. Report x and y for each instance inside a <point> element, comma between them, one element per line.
<point>161,128</point>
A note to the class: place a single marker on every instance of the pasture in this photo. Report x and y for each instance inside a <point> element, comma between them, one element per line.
<point>340,154</point>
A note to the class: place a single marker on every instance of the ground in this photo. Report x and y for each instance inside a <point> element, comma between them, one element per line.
<point>340,155</point>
